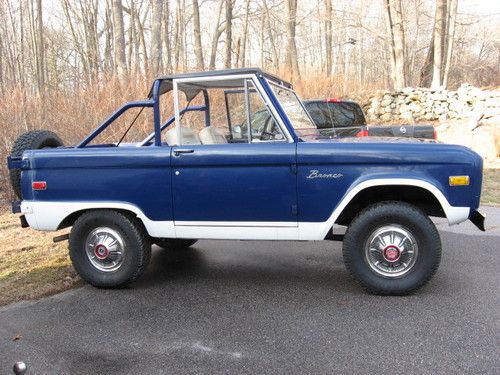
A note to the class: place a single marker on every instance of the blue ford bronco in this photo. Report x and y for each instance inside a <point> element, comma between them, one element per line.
<point>197,170</point>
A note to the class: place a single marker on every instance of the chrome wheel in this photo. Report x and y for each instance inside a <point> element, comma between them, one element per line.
<point>391,251</point>
<point>105,249</point>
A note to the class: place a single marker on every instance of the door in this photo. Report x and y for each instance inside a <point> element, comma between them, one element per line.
<point>235,184</point>
<point>221,178</point>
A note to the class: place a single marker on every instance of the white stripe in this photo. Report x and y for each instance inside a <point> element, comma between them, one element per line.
<point>237,223</point>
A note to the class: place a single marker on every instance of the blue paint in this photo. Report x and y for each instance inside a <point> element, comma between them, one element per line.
<point>235,182</point>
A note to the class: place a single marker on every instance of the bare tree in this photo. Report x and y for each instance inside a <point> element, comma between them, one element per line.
<point>291,60</point>
<point>450,38</point>
<point>245,34</point>
<point>198,50</point>
<point>439,41</point>
<point>156,37</point>
<point>218,30</point>
<point>270,34</point>
<point>119,39</point>
<point>87,39</point>
<point>395,30</point>
<point>328,36</point>
<point>36,18</point>
<point>229,33</point>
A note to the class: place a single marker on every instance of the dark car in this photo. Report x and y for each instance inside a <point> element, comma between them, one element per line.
<point>345,118</point>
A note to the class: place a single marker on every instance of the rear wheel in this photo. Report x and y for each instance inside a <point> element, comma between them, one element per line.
<point>108,248</point>
<point>175,243</point>
<point>32,140</point>
<point>392,248</point>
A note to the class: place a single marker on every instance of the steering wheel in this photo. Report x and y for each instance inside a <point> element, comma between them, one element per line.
<point>268,134</point>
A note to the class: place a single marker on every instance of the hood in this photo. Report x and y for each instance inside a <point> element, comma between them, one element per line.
<point>370,139</point>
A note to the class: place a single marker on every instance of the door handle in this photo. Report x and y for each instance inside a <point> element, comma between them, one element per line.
<point>179,151</point>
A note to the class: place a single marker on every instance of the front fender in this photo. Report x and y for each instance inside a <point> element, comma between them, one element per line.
<point>454,215</point>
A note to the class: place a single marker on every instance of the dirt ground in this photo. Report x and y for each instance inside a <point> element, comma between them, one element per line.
<point>31,264</point>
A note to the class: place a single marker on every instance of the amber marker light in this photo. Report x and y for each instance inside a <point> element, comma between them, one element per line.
<point>459,180</point>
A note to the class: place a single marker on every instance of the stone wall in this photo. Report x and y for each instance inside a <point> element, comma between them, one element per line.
<point>468,116</point>
<point>421,104</point>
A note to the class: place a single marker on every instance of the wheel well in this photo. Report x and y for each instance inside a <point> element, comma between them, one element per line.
<point>417,196</point>
<point>70,219</point>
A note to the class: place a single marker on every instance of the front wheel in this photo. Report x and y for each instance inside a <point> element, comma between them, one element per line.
<point>392,248</point>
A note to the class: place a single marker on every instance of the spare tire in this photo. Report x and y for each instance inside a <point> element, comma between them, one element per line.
<point>32,140</point>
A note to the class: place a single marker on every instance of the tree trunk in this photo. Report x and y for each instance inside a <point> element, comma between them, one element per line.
<point>142,40</point>
<point>156,22</point>
<point>439,31</point>
<point>1,68</point>
<point>291,60</point>
<point>215,37</point>
<point>270,31</point>
<point>119,39</point>
<point>229,33</point>
<point>328,36</point>
<point>450,38</point>
<point>198,51</point>
<point>40,47</point>
<point>426,72</point>
<point>108,37</point>
<point>167,31</point>
<point>245,35</point>
<point>394,21</point>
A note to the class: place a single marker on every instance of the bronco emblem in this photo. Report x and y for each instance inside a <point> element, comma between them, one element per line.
<point>314,173</point>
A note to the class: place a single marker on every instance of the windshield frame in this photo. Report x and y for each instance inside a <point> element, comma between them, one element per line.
<point>295,131</point>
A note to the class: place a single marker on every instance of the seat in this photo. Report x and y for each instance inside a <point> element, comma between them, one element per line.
<point>189,137</point>
<point>212,136</point>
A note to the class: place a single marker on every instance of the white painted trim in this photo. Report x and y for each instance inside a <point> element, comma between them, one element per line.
<point>237,233</point>
<point>177,117</point>
<point>236,223</point>
<point>48,216</point>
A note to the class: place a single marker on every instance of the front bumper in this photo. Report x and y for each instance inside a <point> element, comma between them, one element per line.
<point>477,219</point>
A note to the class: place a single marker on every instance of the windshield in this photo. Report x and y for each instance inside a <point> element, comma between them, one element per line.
<point>293,107</point>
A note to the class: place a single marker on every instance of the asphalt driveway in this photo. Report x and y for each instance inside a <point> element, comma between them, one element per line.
<point>266,307</point>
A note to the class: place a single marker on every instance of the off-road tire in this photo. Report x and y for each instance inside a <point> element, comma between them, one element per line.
<point>32,140</point>
<point>404,215</point>
<point>137,248</point>
<point>175,243</point>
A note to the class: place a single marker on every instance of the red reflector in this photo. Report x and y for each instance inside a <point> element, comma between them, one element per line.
<point>435,134</point>
<point>332,100</point>
<point>39,185</point>
<point>362,133</point>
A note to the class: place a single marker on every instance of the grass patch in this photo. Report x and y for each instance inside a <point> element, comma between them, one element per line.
<point>491,187</point>
<point>31,264</point>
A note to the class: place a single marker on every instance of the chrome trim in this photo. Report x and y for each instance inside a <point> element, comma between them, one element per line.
<point>105,249</point>
<point>391,251</point>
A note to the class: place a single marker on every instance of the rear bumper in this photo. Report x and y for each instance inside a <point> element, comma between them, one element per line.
<point>477,219</point>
